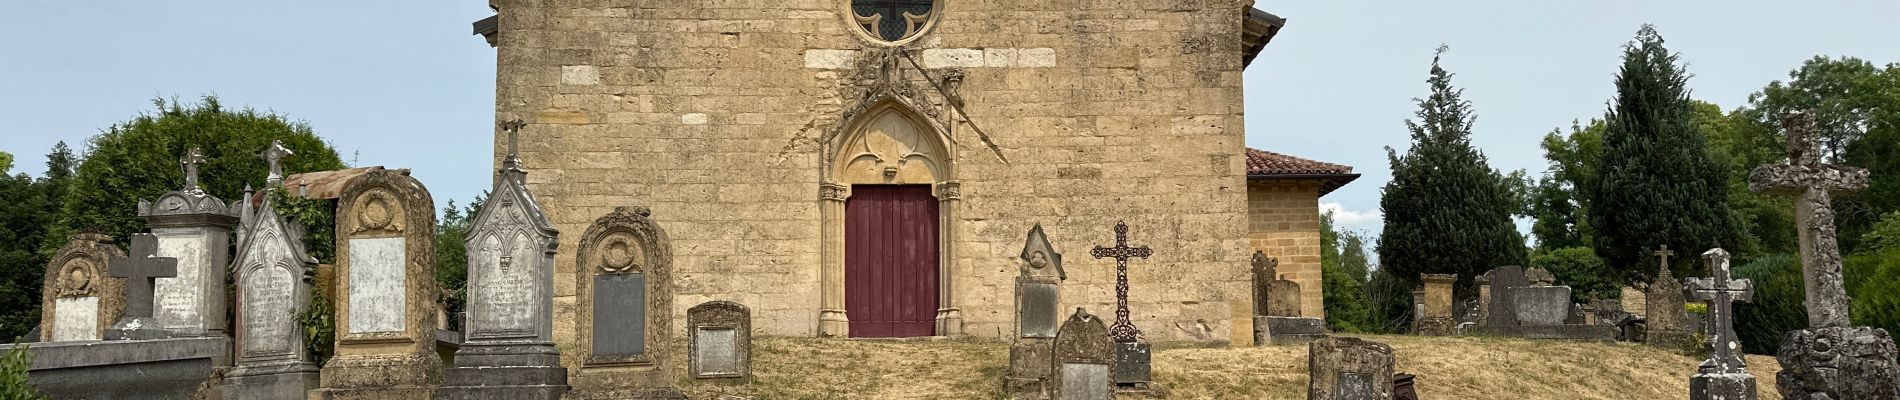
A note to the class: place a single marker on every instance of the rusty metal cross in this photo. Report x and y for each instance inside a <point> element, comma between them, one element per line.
<point>1123,330</point>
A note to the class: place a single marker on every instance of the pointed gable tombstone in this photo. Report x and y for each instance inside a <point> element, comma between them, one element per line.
<point>1037,294</point>
<point>78,300</point>
<point>272,361</point>
<point>624,297</point>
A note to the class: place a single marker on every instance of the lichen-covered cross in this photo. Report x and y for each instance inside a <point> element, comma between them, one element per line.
<point>141,271</point>
<point>1719,291</point>
<point>275,156</point>
<point>1123,330</point>
<point>1664,253</point>
<point>191,160</point>
<point>512,161</point>
<point>1814,184</point>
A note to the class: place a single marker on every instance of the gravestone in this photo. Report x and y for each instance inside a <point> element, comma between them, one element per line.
<point>1483,306</point>
<point>385,290</point>
<point>1265,271</point>
<point>140,271</point>
<point>195,228</point>
<point>1667,321</point>
<point>1830,358</point>
<point>78,300</point>
<point>1133,367</point>
<point>272,361</point>
<point>1084,358</point>
<point>1436,316</point>
<point>625,301</point>
<point>1279,321</point>
<point>1724,376</point>
<point>508,349</point>
<point>1542,305</point>
<point>1503,308</point>
<point>1038,299</point>
<point>1283,298</point>
<point>719,340</point>
<point>1346,368</point>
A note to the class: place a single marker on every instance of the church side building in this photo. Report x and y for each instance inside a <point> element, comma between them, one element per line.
<point>868,168</point>
<point>1283,195</point>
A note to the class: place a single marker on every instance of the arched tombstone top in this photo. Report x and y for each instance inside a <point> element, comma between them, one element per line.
<point>625,241</point>
<point>624,295</point>
<point>719,339</point>
<point>720,312</point>
<point>1083,338</point>
<point>78,271</point>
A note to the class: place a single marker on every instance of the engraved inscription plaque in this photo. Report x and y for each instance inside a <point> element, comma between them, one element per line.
<point>1354,386</point>
<point>377,297</point>
<point>75,318</point>
<point>1038,310</point>
<point>620,315</point>
<point>717,352</point>
<point>1085,382</point>
<point>268,320</point>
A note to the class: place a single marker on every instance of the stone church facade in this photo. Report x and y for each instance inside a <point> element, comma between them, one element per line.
<point>870,169</point>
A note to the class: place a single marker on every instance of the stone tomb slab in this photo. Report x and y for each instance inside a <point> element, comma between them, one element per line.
<point>1541,305</point>
<point>1346,368</point>
<point>721,340</point>
<point>620,314</point>
<point>377,285</point>
<point>1503,308</point>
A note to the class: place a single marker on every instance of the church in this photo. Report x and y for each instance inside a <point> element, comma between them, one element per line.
<point>869,168</point>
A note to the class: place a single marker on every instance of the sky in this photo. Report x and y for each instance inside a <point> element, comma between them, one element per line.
<point>406,84</point>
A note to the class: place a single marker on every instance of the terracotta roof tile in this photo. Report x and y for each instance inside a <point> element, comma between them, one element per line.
<point>1267,165</point>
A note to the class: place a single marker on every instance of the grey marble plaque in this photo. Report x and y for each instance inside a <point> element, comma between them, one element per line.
<point>177,302</point>
<point>75,318</point>
<point>377,285</point>
<point>503,304</point>
<point>1037,310</point>
<point>716,352</point>
<point>1354,386</point>
<point>620,315</point>
<point>269,319</point>
<point>1085,382</point>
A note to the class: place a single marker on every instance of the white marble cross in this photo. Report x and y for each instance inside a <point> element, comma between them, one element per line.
<point>275,156</point>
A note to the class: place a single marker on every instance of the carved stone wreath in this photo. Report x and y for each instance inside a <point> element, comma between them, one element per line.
<point>620,255</point>
<point>377,210</point>
<point>76,278</point>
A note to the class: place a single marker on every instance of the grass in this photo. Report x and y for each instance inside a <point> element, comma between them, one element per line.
<point>1447,368</point>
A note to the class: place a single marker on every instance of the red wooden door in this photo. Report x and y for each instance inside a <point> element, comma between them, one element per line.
<point>890,261</point>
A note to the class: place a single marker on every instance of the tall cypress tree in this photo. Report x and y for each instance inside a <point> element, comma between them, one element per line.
<point>1446,210</point>
<point>1656,184</point>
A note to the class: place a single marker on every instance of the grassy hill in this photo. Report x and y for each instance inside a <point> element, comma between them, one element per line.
<point>1447,368</point>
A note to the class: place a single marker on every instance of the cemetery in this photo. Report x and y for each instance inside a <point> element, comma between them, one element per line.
<point>935,199</point>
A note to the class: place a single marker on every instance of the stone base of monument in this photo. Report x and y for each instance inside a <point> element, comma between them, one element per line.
<point>1031,364</point>
<point>142,328</point>
<point>504,370</point>
<point>1134,368</point>
<point>1606,333</point>
<point>1713,386</point>
<point>626,394</point>
<point>380,376</point>
<point>1675,340</point>
<point>1840,363</point>
<point>123,369</point>
<point>1287,330</point>
<point>290,380</point>
<point>1437,326</point>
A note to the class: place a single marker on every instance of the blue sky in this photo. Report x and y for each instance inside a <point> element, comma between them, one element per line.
<point>403,83</point>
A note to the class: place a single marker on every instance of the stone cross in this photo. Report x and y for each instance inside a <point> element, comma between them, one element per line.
<point>275,156</point>
<point>1124,330</point>
<point>513,127</point>
<point>1719,291</point>
<point>140,271</point>
<point>1814,184</point>
<point>1663,253</point>
<point>191,160</point>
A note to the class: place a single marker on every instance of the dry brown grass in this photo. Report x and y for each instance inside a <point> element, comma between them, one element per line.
<point>1447,368</point>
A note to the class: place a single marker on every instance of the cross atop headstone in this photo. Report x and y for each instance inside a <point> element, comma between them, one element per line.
<point>1663,252</point>
<point>1718,290</point>
<point>191,160</point>
<point>275,156</point>
<point>1814,185</point>
<point>1123,330</point>
<point>513,127</point>
<point>140,271</point>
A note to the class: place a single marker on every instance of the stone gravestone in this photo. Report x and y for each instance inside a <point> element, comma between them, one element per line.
<point>1830,358</point>
<point>624,297</point>
<point>1038,297</point>
<point>1666,321</point>
<point>1281,322</point>
<point>272,361</point>
<point>1345,368</point>
<point>1084,357</point>
<point>1724,376</point>
<point>508,347</point>
<point>78,300</point>
<point>385,290</point>
<point>719,340</point>
<point>195,228</point>
<point>1541,304</point>
<point>1436,316</point>
<point>1503,308</point>
<point>140,271</point>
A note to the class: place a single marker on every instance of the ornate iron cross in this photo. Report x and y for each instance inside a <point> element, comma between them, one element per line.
<point>1813,185</point>
<point>1123,330</point>
<point>140,271</point>
<point>1719,291</point>
<point>191,160</point>
<point>275,156</point>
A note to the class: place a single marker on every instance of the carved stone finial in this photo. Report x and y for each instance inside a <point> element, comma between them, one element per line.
<point>190,161</point>
<point>512,161</point>
<point>275,156</point>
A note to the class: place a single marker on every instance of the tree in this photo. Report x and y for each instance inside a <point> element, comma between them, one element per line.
<point>1557,206</point>
<point>27,209</point>
<point>451,253</point>
<point>1345,298</point>
<point>138,159</point>
<point>1579,268</point>
<point>1857,110</point>
<point>1446,210</point>
<point>1656,183</point>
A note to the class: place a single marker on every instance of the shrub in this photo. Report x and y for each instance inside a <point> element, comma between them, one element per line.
<point>1778,304</point>
<point>13,367</point>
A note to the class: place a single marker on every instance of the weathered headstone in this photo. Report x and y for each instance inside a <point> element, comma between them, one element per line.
<point>1503,308</point>
<point>140,270</point>
<point>78,300</point>
<point>719,340</point>
<point>1038,299</point>
<point>1084,358</point>
<point>1667,321</point>
<point>1278,305</point>
<point>272,361</point>
<point>1724,376</point>
<point>1542,305</point>
<point>1132,355</point>
<point>625,301</point>
<point>1346,368</point>
<point>1436,318</point>
<point>1829,358</point>
<point>1265,271</point>
<point>508,347</point>
<point>1483,306</point>
<point>1283,298</point>
<point>385,290</point>
<point>195,228</point>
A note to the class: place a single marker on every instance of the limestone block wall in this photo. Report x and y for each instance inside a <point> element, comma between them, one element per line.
<point>713,113</point>
<point>1283,221</point>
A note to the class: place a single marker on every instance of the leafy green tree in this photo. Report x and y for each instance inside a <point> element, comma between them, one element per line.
<point>1777,307</point>
<point>27,208</point>
<point>6,162</point>
<point>1873,283</point>
<point>1557,204</point>
<point>451,253</point>
<point>1345,298</point>
<point>1446,210</point>
<point>1656,183</point>
<point>13,367</point>
<point>1588,277</point>
<point>1390,299</point>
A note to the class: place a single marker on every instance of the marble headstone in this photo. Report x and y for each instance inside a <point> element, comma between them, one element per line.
<point>385,290</point>
<point>1084,357</point>
<point>195,228</point>
<point>1346,368</point>
<point>719,341</point>
<point>272,361</point>
<point>624,298</point>
<point>79,300</point>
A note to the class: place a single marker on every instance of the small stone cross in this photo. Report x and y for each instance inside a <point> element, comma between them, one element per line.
<point>513,127</point>
<point>1664,253</point>
<point>191,160</point>
<point>1123,330</point>
<point>1813,184</point>
<point>1719,291</point>
<point>140,271</point>
<point>275,156</point>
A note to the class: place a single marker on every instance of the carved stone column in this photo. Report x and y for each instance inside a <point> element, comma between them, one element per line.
<point>949,316</point>
<point>831,317</point>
